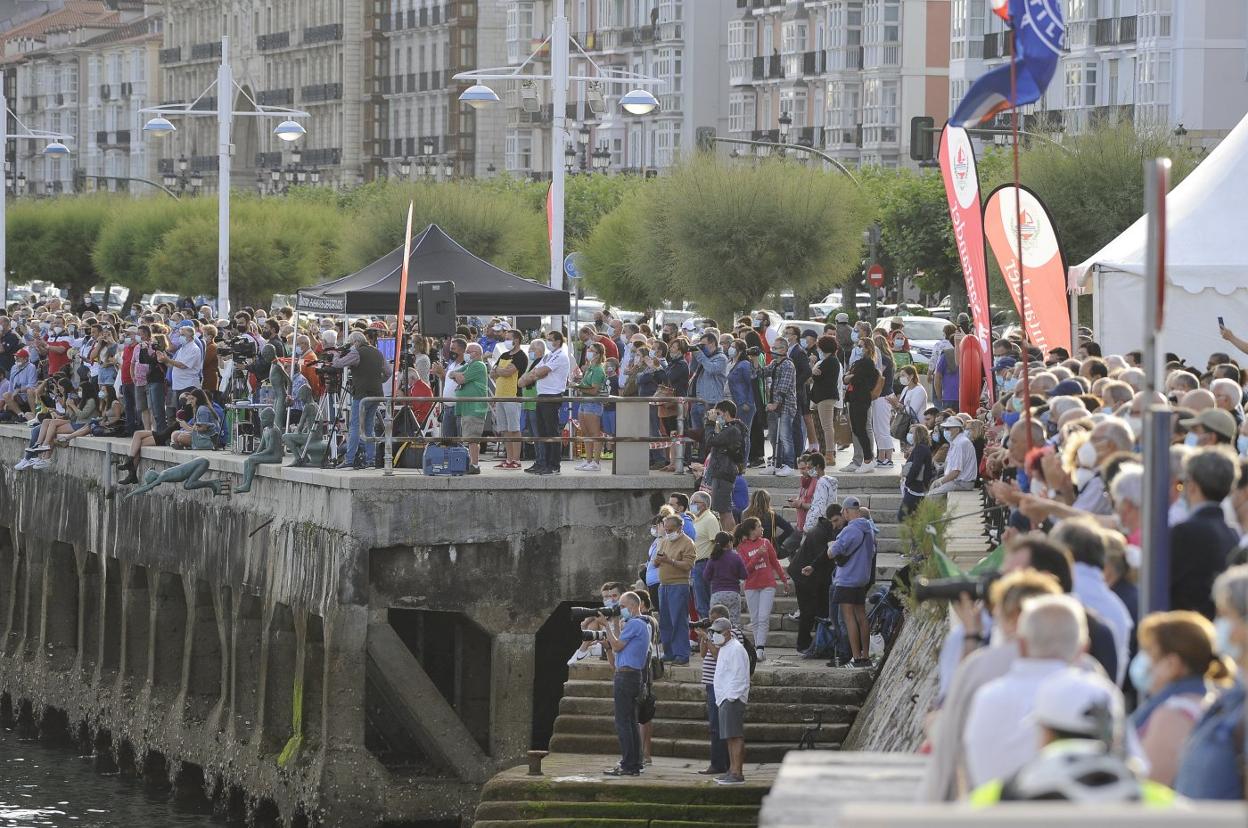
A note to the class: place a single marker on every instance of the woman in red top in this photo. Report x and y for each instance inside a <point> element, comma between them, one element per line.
<point>763,568</point>
<point>805,492</point>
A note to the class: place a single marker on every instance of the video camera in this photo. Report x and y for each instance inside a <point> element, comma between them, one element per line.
<point>950,589</point>
<point>239,347</point>
<point>593,635</point>
<point>704,624</point>
<point>580,614</point>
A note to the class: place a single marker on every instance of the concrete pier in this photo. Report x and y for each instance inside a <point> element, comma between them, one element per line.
<point>341,648</point>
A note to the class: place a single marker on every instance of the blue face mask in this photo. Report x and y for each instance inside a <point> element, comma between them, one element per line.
<point>910,439</point>
<point>1141,672</point>
<point>626,614</point>
<point>1009,385</point>
<point>1241,444</point>
<point>1223,627</point>
<point>1191,440</point>
<point>853,336</point>
<point>610,602</point>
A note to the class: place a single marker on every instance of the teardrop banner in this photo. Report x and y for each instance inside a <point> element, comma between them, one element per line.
<point>957,166</point>
<point>1042,304</point>
<point>971,376</point>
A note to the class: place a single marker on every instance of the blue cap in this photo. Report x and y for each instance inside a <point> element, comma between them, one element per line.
<point>1004,363</point>
<point>1067,388</point>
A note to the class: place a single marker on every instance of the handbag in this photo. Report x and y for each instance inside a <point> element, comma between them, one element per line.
<point>902,419</point>
<point>666,409</point>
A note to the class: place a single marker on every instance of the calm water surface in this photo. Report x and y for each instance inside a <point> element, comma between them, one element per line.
<point>42,785</point>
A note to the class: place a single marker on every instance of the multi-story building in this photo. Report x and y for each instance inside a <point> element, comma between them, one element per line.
<point>1168,64</point>
<point>422,46</point>
<point>85,70</point>
<point>681,42</point>
<point>844,76</point>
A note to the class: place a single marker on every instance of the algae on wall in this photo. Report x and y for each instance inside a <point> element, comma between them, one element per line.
<point>891,719</point>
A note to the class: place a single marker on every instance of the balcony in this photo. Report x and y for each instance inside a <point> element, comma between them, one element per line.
<point>265,160</point>
<point>171,55</point>
<point>670,103</point>
<point>997,45</point>
<point>276,40</point>
<point>1106,32</point>
<point>322,92</point>
<point>324,157</point>
<point>844,59</point>
<point>1126,29</point>
<point>759,68</point>
<point>813,63</point>
<point>276,97</point>
<point>775,67</point>
<point>328,33</point>
<point>206,51</point>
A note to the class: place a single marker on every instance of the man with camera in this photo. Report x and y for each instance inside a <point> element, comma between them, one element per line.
<point>629,652</point>
<point>593,629</point>
<point>368,372</point>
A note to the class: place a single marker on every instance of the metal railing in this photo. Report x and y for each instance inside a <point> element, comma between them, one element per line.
<point>388,404</point>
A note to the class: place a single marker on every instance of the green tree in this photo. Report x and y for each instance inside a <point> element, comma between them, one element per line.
<point>619,255</point>
<point>133,232</point>
<point>52,239</point>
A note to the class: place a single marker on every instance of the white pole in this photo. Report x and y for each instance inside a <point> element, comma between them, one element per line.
<point>558,129</point>
<point>225,108</point>
<point>4,197</point>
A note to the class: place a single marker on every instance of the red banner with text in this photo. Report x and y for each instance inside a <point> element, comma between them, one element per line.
<point>1040,294</point>
<point>957,165</point>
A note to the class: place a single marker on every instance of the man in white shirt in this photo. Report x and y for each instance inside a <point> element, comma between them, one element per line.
<point>961,465</point>
<point>732,695</point>
<point>1000,737</point>
<point>187,361</point>
<point>1086,542</point>
<point>551,378</point>
<point>450,423</point>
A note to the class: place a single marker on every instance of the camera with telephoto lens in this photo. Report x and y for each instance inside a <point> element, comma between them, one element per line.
<point>704,624</point>
<point>950,589</point>
<point>593,635</point>
<point>239,347</point>
<point>580,614</point>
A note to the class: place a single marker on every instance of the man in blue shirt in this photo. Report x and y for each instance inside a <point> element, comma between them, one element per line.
<point>630,653</point>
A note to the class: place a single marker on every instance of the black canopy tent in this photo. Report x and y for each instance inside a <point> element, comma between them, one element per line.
<point>480,287</point>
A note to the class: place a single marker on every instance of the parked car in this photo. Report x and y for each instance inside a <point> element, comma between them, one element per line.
<point>923,332</point>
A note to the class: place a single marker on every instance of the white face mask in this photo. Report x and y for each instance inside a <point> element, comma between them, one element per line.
<point>1086,455</point>
<point>671,536</point>
<point>654,531</point>
<point>718,639</point>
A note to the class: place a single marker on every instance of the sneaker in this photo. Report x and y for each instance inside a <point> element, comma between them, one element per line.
<point>761,652</point>
<point>595,466</point>
<point>861,662</point>
<point>711,771</point>
<point>39,463</point>
<point>849,467</point>
<point>42,449</point>
<point>730,779</point>
<point>794,615</point>
<point>24,463</point>
<point>474,470</point>
<point>885,464</point>
<point>784,471</point>
<point>768,469</point>
<point>619,771</point>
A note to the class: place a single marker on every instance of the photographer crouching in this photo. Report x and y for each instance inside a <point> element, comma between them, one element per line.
<point>368,372</point>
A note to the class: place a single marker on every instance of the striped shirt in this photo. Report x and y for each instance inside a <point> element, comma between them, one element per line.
<point>708,660</point>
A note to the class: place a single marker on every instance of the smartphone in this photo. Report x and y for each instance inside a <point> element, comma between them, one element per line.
<point>1221,324</point>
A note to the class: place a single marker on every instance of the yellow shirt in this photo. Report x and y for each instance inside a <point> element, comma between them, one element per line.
<point>505,386</point>
<point>705,528</point>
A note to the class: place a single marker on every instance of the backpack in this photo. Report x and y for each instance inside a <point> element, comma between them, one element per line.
<point>750,651</point>
<point>736,449</point>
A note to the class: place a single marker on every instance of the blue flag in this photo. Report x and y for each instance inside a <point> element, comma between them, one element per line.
<point>1037,47</point>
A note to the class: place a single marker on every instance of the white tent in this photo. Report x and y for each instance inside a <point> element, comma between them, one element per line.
<point>1206,263</point>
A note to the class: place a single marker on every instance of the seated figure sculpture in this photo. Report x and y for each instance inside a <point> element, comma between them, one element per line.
<point>307,442</point>
<point>270,450</point>
<point>279,381</point>
<point>189,474</point>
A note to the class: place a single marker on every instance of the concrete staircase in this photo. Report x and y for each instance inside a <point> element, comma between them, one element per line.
<point>787,696</point>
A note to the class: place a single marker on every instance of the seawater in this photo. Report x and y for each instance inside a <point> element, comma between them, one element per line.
<point>42,785</point>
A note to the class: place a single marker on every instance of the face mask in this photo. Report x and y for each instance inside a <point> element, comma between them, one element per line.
<point>610,602</point>
<point>732,353</point>
<point>1009,385</point>
<point>718,639</point>
<point>1192,440</point>
<point>777,354</point>
<point>910,439</point>
<point>1241,444</point>
<point>758,323</point>
<point>1141,672</point>
<point>853,336</point>
<point>1086,455</point>
<point>671,536</point>
<point>654,531</point>
<point>590,356</point>
<point>695,508</point>
<point>625,614</point>
<point>1223,627</point>
<point>58,330</point>
<point>948,436</point>
<point>937,437</point>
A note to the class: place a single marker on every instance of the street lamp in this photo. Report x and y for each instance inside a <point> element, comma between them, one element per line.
<point>569,158</point>
<point>286,130</point>
<point>637,101</point>
<point>405,167</point>
<point>426,147</point>
<point>54,149</point>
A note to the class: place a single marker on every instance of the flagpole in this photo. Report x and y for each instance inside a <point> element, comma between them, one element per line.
<point>1018,232</point>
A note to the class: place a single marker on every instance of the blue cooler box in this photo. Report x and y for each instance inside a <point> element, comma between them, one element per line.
<point>446,461</point>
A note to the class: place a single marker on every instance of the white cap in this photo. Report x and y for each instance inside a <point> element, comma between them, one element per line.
<point>953,422</point>
<point>688,325</point>
<point>1076,701</point>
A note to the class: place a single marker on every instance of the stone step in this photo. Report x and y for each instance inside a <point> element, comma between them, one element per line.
<point>598,822</point>
<point>617,813</point>
<point>791,672</point>
<point>875,481</point>
<point>663,783</point>
<point>755,731</point>
<point>675,692</point>
<point>838,705</point>
<point>685,748</point>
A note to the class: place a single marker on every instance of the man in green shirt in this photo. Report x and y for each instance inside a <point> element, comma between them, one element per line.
<point>472,382</point>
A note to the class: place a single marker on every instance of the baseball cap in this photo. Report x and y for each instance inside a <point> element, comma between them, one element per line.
<point>842,317</point>
<point>1004,363</point>
<point>1066,388</point>
<point>1215,420</point>
<point>953,422</point>
<point>1075,701</point>
<point>22,353</point>
<point>721,625</point>
<point>851,502</point>
<point>688,325</point>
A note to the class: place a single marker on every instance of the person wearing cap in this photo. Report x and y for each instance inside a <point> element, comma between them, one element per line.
<point>719,764</point>
<point>22,379</point>
<point>731,686</point>
<point>1003,374</point>
<point>1202,543</point>
<point>1211,427</point>
<point>853,552</point>
<point>1078,717</point>
<point>961,467</point>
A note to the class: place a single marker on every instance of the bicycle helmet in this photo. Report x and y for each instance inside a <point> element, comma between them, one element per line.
<point>1074,771</point>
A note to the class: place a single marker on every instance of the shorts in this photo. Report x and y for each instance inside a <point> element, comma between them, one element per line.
<point>849,595</point>
<point>471,426</point>
<point>507,416</point>
<point>732,719</point>
<point>721,495</point>
<point>140,397</point>
<point>592,409</point>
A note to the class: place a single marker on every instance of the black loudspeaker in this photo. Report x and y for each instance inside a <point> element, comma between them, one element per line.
<point>528,323</point>
<point>436,308</point>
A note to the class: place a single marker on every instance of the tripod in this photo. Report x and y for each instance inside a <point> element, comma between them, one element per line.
<point>331,412</point>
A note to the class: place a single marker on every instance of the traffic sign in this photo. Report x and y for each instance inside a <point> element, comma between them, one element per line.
<point>572,266</point>
<point>875,275</point>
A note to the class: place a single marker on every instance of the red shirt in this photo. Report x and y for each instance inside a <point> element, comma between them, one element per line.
<point>762,564</point>
<point>58,354</point>
<point>127,378</point>
<point>608,345</point>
